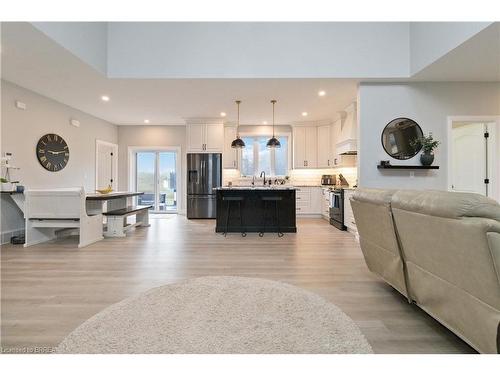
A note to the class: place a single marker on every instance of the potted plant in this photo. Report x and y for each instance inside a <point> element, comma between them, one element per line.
<point>428,144</point>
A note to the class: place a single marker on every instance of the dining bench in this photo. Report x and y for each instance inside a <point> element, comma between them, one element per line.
<point>50,213</point>
<point>117,225</point>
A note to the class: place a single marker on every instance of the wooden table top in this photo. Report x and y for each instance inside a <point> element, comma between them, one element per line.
<point>113,195</point>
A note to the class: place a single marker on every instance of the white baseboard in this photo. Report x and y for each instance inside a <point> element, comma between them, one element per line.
<point>5,236</point>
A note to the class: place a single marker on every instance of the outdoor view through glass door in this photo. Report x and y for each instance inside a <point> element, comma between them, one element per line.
<point>156,176</point>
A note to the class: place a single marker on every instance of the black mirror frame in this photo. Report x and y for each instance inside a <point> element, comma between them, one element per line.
<point>382,138</point>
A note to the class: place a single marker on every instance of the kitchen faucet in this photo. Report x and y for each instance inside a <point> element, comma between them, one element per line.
<point>263,173</point>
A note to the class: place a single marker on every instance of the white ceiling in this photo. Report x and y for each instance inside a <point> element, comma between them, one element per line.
<point>32,60</point>
<point>477,59</point>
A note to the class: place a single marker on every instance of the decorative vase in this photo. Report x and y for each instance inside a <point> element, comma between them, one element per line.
<point>426,158</point>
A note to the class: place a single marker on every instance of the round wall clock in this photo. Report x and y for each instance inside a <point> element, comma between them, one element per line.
<point>52,152</point>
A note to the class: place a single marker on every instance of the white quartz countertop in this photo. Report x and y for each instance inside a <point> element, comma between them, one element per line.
<point>273,187</point>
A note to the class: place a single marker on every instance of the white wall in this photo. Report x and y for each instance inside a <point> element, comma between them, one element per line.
<point>429,104</point>
<point>431,40</point>
<point>21,130</point>
<point>258,49</point>
<point>150,136</point>
<point>86,40</point>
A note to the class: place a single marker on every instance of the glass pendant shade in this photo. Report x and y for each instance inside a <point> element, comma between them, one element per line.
<point>273,142</point>
<point>238,142</point>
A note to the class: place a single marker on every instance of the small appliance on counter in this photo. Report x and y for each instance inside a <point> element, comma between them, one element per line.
<point>342,181</point>
<point>328,179</point>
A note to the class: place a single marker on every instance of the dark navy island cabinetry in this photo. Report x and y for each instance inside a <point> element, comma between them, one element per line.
<point>255,209</point>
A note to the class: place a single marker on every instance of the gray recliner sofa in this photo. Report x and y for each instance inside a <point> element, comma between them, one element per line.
<point>442,251</point>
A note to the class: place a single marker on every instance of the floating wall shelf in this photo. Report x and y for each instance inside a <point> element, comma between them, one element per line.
<point>407,167</point>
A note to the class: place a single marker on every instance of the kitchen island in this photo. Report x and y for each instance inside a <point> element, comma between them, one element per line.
<point>257,206</point>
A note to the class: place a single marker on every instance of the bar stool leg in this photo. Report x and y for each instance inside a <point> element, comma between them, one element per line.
<point>243,233</point>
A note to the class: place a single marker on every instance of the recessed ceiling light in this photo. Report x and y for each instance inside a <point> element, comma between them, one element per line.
<point>105,98</point>
<point>322,93</point>
<point>304,114</point>
<point>223,114</point>
<point>264,122</point>
<point>146,121</point>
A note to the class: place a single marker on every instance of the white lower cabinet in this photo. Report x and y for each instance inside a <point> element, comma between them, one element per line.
<point>349,221</point>
<point>325,203</point>
<point>308,200</point>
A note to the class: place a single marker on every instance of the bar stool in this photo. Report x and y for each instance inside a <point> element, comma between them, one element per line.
<point>266,201</point>
<point>230,200</point>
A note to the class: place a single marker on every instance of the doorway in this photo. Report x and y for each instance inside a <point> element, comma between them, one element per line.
<point>473,157</point>
<point>156,174</point>
<point>106,165</point>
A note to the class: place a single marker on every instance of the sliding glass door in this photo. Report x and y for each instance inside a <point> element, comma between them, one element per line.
<point>156,176</point>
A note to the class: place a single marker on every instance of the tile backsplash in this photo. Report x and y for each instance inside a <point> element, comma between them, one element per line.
<point>298,177</point>
<point>312,177</point>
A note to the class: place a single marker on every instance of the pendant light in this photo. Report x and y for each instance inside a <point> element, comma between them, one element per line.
<point>238,142</point>
<point>273,142</point>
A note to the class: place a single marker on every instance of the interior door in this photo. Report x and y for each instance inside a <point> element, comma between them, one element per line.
<point>469,160</point>
<point>106,165</point>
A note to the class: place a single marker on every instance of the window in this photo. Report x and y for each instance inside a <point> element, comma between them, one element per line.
<point>256,157</point>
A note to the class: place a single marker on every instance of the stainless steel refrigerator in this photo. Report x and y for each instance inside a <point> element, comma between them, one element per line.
<point>204,173</point>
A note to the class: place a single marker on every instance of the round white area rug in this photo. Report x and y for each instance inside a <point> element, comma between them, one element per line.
<point>219,315</point>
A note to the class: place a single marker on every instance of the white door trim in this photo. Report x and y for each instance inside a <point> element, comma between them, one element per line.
<point>132,150</point>
<point>99,142</point>
<point>495,187</point>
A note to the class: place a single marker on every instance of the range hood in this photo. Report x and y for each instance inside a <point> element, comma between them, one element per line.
<point>347,147</point>
<point>347,143</point>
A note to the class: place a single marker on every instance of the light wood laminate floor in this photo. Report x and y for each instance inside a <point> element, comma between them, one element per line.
<point>49,289</point>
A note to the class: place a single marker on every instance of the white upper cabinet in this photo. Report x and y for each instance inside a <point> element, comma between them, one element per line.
<point>299,147</point>
<point>230,156</point>
<point>214,138</point>
<point>325,154</point>
<point>195,137</point>
<point>311,147</point>
<point>305,144</point>
<point>208,138</point>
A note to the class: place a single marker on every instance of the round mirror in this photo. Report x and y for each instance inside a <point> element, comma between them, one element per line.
<point>398,138</point>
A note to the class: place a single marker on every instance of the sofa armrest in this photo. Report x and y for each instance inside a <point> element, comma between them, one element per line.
<point>494,245</point>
